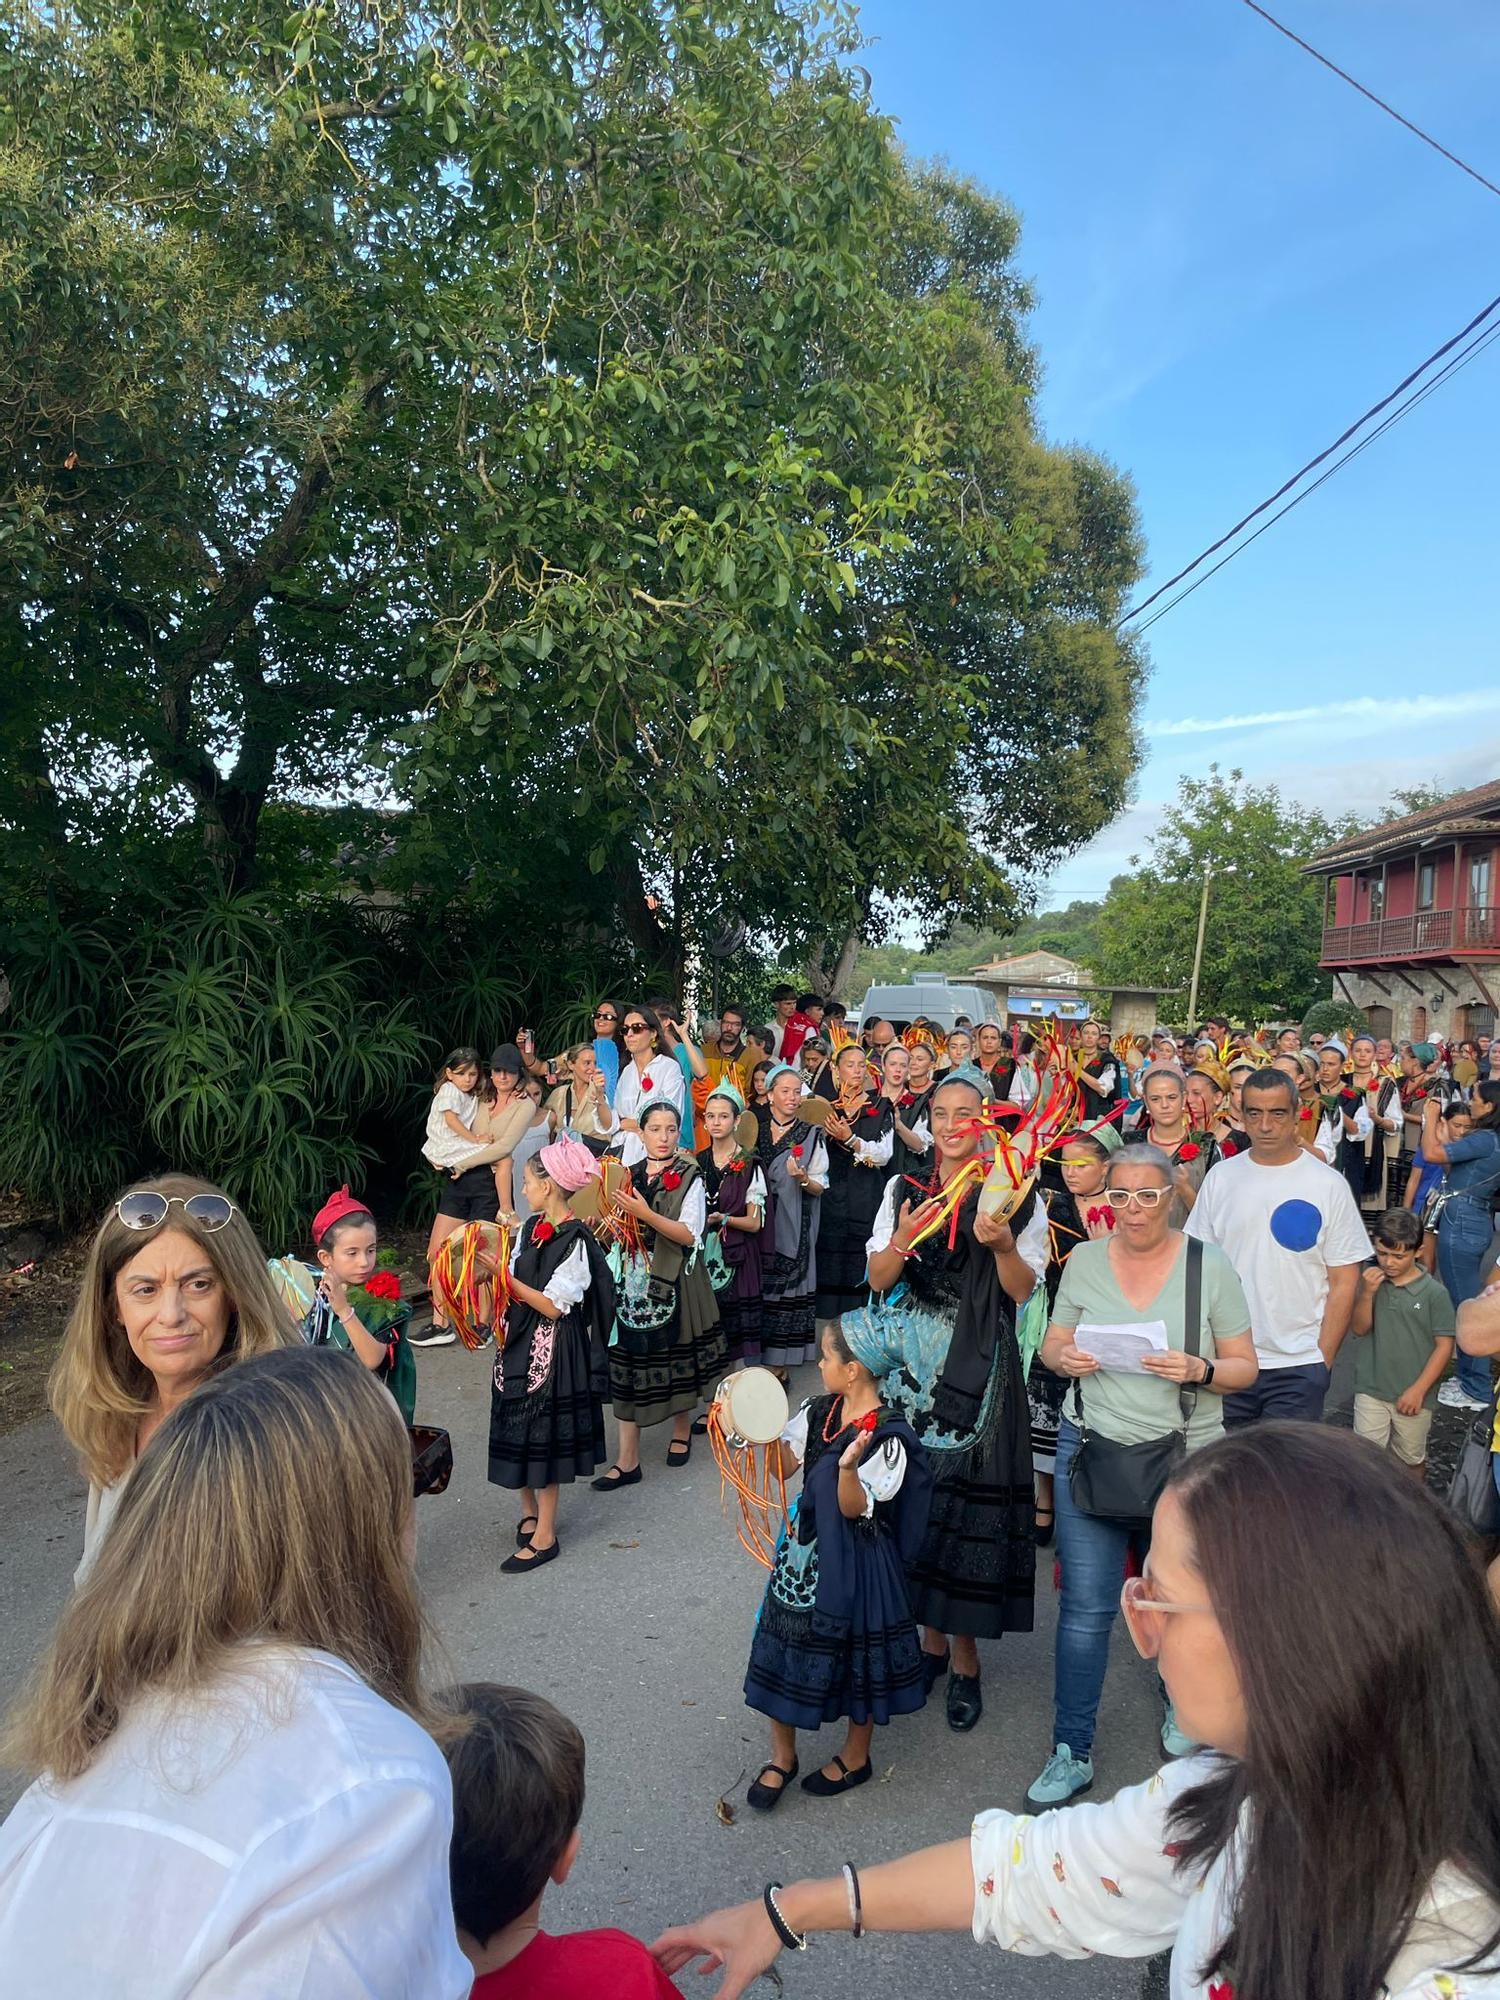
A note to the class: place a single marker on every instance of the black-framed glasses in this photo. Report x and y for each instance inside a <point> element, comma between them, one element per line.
<point>600,1015</point>
<point>635,1028</point>
<point>146,1210</point>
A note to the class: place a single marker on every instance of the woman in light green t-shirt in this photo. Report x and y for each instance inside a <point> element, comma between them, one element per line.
<point>1124,1297</point>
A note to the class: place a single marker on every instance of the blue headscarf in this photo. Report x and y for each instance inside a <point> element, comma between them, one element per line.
<point>874,1339</point>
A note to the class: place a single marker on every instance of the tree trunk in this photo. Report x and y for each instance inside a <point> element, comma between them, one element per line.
<point>829,981</point>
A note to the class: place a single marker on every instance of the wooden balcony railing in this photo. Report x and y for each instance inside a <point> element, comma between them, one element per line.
<point>1428,934</point>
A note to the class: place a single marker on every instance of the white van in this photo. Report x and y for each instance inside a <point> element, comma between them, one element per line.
<point>934,996</point>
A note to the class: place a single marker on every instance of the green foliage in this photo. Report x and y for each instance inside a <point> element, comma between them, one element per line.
<point>1264,933</point>
<point>1334,1017</point>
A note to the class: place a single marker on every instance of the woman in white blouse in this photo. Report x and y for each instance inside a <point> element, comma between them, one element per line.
<point>646,1077</point>
<point>1321,1627</point>
<point>236,1795</point>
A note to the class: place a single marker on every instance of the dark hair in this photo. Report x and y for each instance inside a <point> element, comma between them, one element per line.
<point>656,1107</point>
<point>783,993</point>
<point>614,1033</point>
<point>762,1037</point>
<point>835,1009</point>
<point>1490,1093</point>
<point>1263,1080</point>
<point>456,1059</point>
<point>806,1000</point>
<point>1399,1229</point>
<point>835,1336</point>
<point>356,1218</point>
<point>732,1007</point>
<point>517,1796</point>
<point>647,1013</point>
<point>1359,1781</point>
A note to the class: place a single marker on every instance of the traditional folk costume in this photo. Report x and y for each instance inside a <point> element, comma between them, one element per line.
<point>789,1260</point>
<point>734,1257</point>
<point>961,1386</point>
<point>547,1393</point>
<point>836,1634</point>
<point>667,1350</point>
<point>377,1305</point>
<point>1369,1162</point>
<point>1071,1220</point>
<point>856,1176</point>
<point>915,1112</point>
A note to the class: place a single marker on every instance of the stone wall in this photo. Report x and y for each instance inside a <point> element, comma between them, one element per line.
<point>1430,1014</point>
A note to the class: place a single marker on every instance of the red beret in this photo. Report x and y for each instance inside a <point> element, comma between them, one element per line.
<point>334,1210</point>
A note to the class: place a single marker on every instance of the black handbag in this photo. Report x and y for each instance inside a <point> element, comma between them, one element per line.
<point>1472,1496</point>
<point>431,1459</point>
<point>1123,1482</point>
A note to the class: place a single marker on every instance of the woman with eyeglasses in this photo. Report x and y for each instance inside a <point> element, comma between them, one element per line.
<point>237,1789</point>
<point>1146,1365</point>
<point>1326,1637</point>
<point>175,1288</point>
<point>609,1050</point>
<point>647,1077</point>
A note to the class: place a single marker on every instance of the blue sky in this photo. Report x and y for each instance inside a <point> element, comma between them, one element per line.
<point>1235,255</point>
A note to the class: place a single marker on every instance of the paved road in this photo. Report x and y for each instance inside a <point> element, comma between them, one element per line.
<point>640,1633</point>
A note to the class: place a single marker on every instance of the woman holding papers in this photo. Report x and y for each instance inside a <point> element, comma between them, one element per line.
<point>1151,1336</point>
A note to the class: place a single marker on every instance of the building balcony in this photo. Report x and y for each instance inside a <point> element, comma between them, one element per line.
<point>1427,934</point>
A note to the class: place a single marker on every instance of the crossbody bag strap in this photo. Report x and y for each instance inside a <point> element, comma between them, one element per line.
<point>1192,1320</point>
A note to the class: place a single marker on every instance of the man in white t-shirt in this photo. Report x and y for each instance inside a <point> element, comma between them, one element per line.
<point>1292,1230</point>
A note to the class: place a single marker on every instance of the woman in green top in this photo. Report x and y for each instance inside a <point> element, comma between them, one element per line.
<point>1132,1281</point>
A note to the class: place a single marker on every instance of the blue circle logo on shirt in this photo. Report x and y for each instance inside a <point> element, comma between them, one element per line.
<point>1295,1225</point>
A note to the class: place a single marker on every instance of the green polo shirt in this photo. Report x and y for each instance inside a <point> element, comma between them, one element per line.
<point>1407,1320</point>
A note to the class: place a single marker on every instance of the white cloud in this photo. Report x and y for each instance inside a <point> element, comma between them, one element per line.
<point>1384,712</point>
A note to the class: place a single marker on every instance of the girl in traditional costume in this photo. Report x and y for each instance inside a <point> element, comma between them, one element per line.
<point>794,1160</point>
<point>667,1350</point>
<point>953,1297</point>
<point>836,1637</point>
<point>861,1135</point>
<point>547,1393</point>
<point>1168,1123</point>
<point>913,1147</point>
<point>735,1187</point>
<point>1370,1163</point>
<point>356,1307</point>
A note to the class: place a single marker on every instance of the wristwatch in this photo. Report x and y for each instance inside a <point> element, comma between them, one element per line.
<point>1208,1371</point>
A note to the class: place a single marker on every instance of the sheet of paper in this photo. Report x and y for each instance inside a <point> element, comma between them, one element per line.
<point>1122,1344</point>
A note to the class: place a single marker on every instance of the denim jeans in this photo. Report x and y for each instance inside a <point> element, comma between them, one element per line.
<point>1464,1233</point>
<point>1092,1554</point>
<point>1294,1393</point>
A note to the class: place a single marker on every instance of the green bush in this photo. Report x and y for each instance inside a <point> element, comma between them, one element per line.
<point>1334,1017</point>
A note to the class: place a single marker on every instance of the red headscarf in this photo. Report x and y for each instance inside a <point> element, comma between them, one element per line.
<point>334,1210</point>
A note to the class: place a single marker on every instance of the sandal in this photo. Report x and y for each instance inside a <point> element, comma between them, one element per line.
<point>683,1445</point>
<point>829,1788</point>
<point>523,1533</point>
<point>764,1798</point>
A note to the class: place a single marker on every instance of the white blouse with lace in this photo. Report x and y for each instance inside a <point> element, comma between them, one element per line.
<point>881,1473</point>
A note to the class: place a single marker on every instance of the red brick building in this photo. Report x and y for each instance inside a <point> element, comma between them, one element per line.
<point>1411,919</point>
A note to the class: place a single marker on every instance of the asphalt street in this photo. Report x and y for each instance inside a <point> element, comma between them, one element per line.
<point>640,1633</point>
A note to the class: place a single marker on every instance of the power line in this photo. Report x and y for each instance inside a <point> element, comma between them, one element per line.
<point>1311,465</point>
<point>1389,109</point>
<point>1459,361</point>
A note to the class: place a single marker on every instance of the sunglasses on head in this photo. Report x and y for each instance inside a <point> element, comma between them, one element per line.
<point>149,1211</point>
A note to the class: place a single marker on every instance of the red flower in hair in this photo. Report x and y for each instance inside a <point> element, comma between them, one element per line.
<point>1188,1151</point>
<point>671,1179</point>
<point>544,1232</point>
<point>383,1285</point>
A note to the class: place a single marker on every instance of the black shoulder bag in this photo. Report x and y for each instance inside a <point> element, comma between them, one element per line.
<point>1123,1482</point>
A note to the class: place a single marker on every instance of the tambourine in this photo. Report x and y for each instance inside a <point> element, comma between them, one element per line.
<point>597,1194</point>
<point>747,1132</point>
<point>815,1111</point>
<point>1000,1196</point>
<point>753,1405</point>
<point>472,1296</point>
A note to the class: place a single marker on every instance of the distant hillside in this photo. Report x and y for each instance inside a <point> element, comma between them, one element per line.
<point>1070,931</point>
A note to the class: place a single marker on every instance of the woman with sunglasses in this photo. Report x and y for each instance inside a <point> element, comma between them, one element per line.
<point>647,1077</point>
<point>175,1288</point>
<point>1136,1282</point>
<point>1325,1635</point>
<point>609,1048</point>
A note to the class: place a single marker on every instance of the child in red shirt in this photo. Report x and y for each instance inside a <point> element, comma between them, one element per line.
<point>517,1767</point>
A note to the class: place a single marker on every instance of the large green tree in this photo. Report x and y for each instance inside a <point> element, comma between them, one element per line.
<point>1263,936</point>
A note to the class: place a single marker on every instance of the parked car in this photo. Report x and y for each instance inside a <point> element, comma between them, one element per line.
<point>934,996</point>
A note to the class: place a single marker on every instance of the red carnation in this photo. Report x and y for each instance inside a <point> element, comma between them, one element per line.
<point>544,1232</point>
<point>384,1285</point>
<point>648,1083</point>
<point>1305,1113</point>
<point>796,1152</point>
<point>868,1421</point>
<point>1188,1151</point>
<point>671,1179</point>
<point>906,1099</point>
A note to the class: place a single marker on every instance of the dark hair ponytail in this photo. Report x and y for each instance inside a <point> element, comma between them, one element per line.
<point>1368,1656</point>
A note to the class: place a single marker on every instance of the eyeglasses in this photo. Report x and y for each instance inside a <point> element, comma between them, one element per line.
<point>635,1027</point>
<point>600,1015</point>
<point>1142,1197</point>
<point>1144,1613</point>
<point>150,1211</point>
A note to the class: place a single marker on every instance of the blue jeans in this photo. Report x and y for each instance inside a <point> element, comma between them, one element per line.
<point>1464,1232</point>
<point>1294,1393</point>
<point>1092,1554</point>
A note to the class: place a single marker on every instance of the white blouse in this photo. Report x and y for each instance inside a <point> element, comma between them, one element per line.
<point>1031,1244</point>
<point>881,1473</point>
<point>1102,1879</point>
<point>875,1152</point>
<point>569,1282</point>
<point>284,1836</point>
<point>632,1098</point>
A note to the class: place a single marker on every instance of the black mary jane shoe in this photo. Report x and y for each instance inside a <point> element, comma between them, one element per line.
<point>965,1703</point>
<point>700,1427</point>
<point>766,1798</point>
<point>829,1788</point>
<point>614,1479</point>
<point>683,1446</point>
<point>1043,1536</point>
<point>934,1666</point>
<point>531,1558</point>
<point>525,1533</point>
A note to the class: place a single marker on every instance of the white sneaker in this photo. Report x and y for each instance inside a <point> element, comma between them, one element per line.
<point>435,1336</point>
<point>1454,1396</point>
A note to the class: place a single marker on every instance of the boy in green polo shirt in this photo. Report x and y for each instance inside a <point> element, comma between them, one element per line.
<point>1407,1322</point>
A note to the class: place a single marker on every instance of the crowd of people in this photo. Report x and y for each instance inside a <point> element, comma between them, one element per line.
<point>1061,1293</point>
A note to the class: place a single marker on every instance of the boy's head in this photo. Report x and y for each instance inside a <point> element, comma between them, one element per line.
<point>1398,1237</point>
<point>517,1799</point>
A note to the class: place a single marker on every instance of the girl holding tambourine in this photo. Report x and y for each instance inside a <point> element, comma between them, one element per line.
<point>667,1351</point>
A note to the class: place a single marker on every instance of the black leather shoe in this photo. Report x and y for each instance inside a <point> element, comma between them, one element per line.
<point>530,1558</point>
<point>1044,1535</point>
<point>934,1666</point>
<point>965,1703</point>
<point>828,1788</point>
<point>611,1481</point>
<point>766,1798</point>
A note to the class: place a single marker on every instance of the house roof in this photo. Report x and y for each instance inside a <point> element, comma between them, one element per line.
<point>1471,812</point>
<point>1026,964</point>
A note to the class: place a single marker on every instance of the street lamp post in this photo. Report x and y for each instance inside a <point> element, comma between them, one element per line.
<point>1209,871</point>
